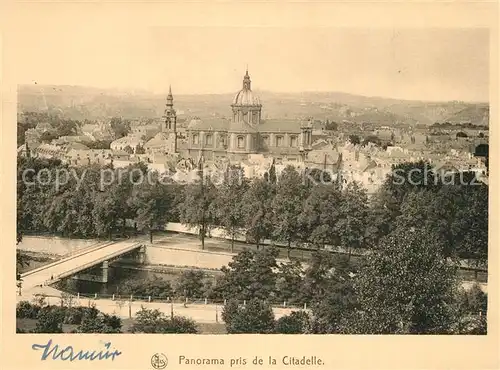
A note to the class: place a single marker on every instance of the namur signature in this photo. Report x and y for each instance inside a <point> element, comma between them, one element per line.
<point>53,351</point>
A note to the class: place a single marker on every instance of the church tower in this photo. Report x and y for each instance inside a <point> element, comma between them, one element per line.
<point>170,115</point>
<point>246,105</point>
<point>169,126</point>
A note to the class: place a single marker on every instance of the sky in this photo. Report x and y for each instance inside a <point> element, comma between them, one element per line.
<point>422,64</point>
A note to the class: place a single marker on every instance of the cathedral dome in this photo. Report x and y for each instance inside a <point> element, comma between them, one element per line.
<point>246,97</point>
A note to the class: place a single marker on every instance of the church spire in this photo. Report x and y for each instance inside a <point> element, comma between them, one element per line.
<point>170,97</point>
<point>170,115</point>
<point>246,81</point>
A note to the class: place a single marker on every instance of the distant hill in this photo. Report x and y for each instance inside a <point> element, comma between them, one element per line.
<point>79,102</point>
<point>471,114</point>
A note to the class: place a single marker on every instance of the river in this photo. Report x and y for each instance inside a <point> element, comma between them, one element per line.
<point>56,247</point>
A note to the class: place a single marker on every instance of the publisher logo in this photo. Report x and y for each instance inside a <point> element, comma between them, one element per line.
<point>159,361</point>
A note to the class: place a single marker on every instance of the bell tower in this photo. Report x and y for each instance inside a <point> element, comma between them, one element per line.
<point>170,115</point>
<point>169,125</point>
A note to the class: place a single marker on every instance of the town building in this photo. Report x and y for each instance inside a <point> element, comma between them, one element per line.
<point>146,131</point>
<point>243,134</point>
<point>98,132</point>
<point>129,143</point>
<point>77,157</point>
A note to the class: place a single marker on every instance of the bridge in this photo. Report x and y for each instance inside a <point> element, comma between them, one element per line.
<point>98,255</point>
<point>35,283</point>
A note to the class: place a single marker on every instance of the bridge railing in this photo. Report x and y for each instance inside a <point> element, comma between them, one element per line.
<point>69,256</point>
<point>95,262</point>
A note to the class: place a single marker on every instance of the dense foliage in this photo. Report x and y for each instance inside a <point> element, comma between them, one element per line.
<point>410,236</point>
<point>155,321</point>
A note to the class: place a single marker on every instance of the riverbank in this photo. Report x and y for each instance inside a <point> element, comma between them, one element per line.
<point>184,251</point>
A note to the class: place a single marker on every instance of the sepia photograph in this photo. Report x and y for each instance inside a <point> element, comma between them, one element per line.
<point>253,180</point>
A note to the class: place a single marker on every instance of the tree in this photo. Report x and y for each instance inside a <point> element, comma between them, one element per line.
<point>270,175</point>
<point>128,149</point>
<point>372,139</point>
<point>320,216</point>
<point>255,317</point>
<point>47,137</point>
<point>335,302</point>
<point>315,176</point>
<point>295,323</point>
<point>324,268</point>
<point>154,321</point>
<point>113,202</point>
<point>407,286</point>
<point>289,281</point>
<point>473,301</point>
<point>50,320</point>
<point>354,139</point>
<point>386,204</point>
<point>190,284</point>
<point>99,323</point>
<point>181,325</point>
<point>228,203</point>
<point>120,127</point>
<point>352,222</point>
<point>331,126</point>
<point>139,149</point>
<point>286,206</point>
<point>469,227</point>
<point>66,127</point>
<point>473,311</point>
<point>249,275</point>
<point>256,206</point>
<point>195,209</point>
<point>154,287</point>
<point>105,214</point>
<point>32,199</point>
<point>152,202</point>
<point>148,321</point>
<point>22,260</point>
<point>27,310</point>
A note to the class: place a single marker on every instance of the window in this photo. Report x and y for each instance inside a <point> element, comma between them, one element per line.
<point>196,139</point>
<point>255,118</point>
<point>293,141</point>
<point>279,140</point>
<point>208,140</point>
<point>241,142</point>
<point>222,141</point>
<point>265,140</point>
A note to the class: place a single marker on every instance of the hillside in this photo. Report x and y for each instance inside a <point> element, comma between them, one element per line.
<point>78,102</point>
<point>471,114</point>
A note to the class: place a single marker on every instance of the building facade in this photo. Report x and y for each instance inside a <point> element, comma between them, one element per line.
<point>245,133</point>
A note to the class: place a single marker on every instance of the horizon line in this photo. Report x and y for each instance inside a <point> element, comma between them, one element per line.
<point>144,90</point>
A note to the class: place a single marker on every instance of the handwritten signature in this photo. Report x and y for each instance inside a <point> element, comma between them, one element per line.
<point>70,354</point>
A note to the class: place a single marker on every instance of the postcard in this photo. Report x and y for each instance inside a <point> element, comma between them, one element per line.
<point>271,185</point>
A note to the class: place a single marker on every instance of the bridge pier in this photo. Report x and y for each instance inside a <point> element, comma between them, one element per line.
<point>141,255</point>
<point>98,274</point>
<point>105,271</point>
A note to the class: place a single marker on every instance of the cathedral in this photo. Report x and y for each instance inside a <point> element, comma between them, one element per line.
<point>244,133</point>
